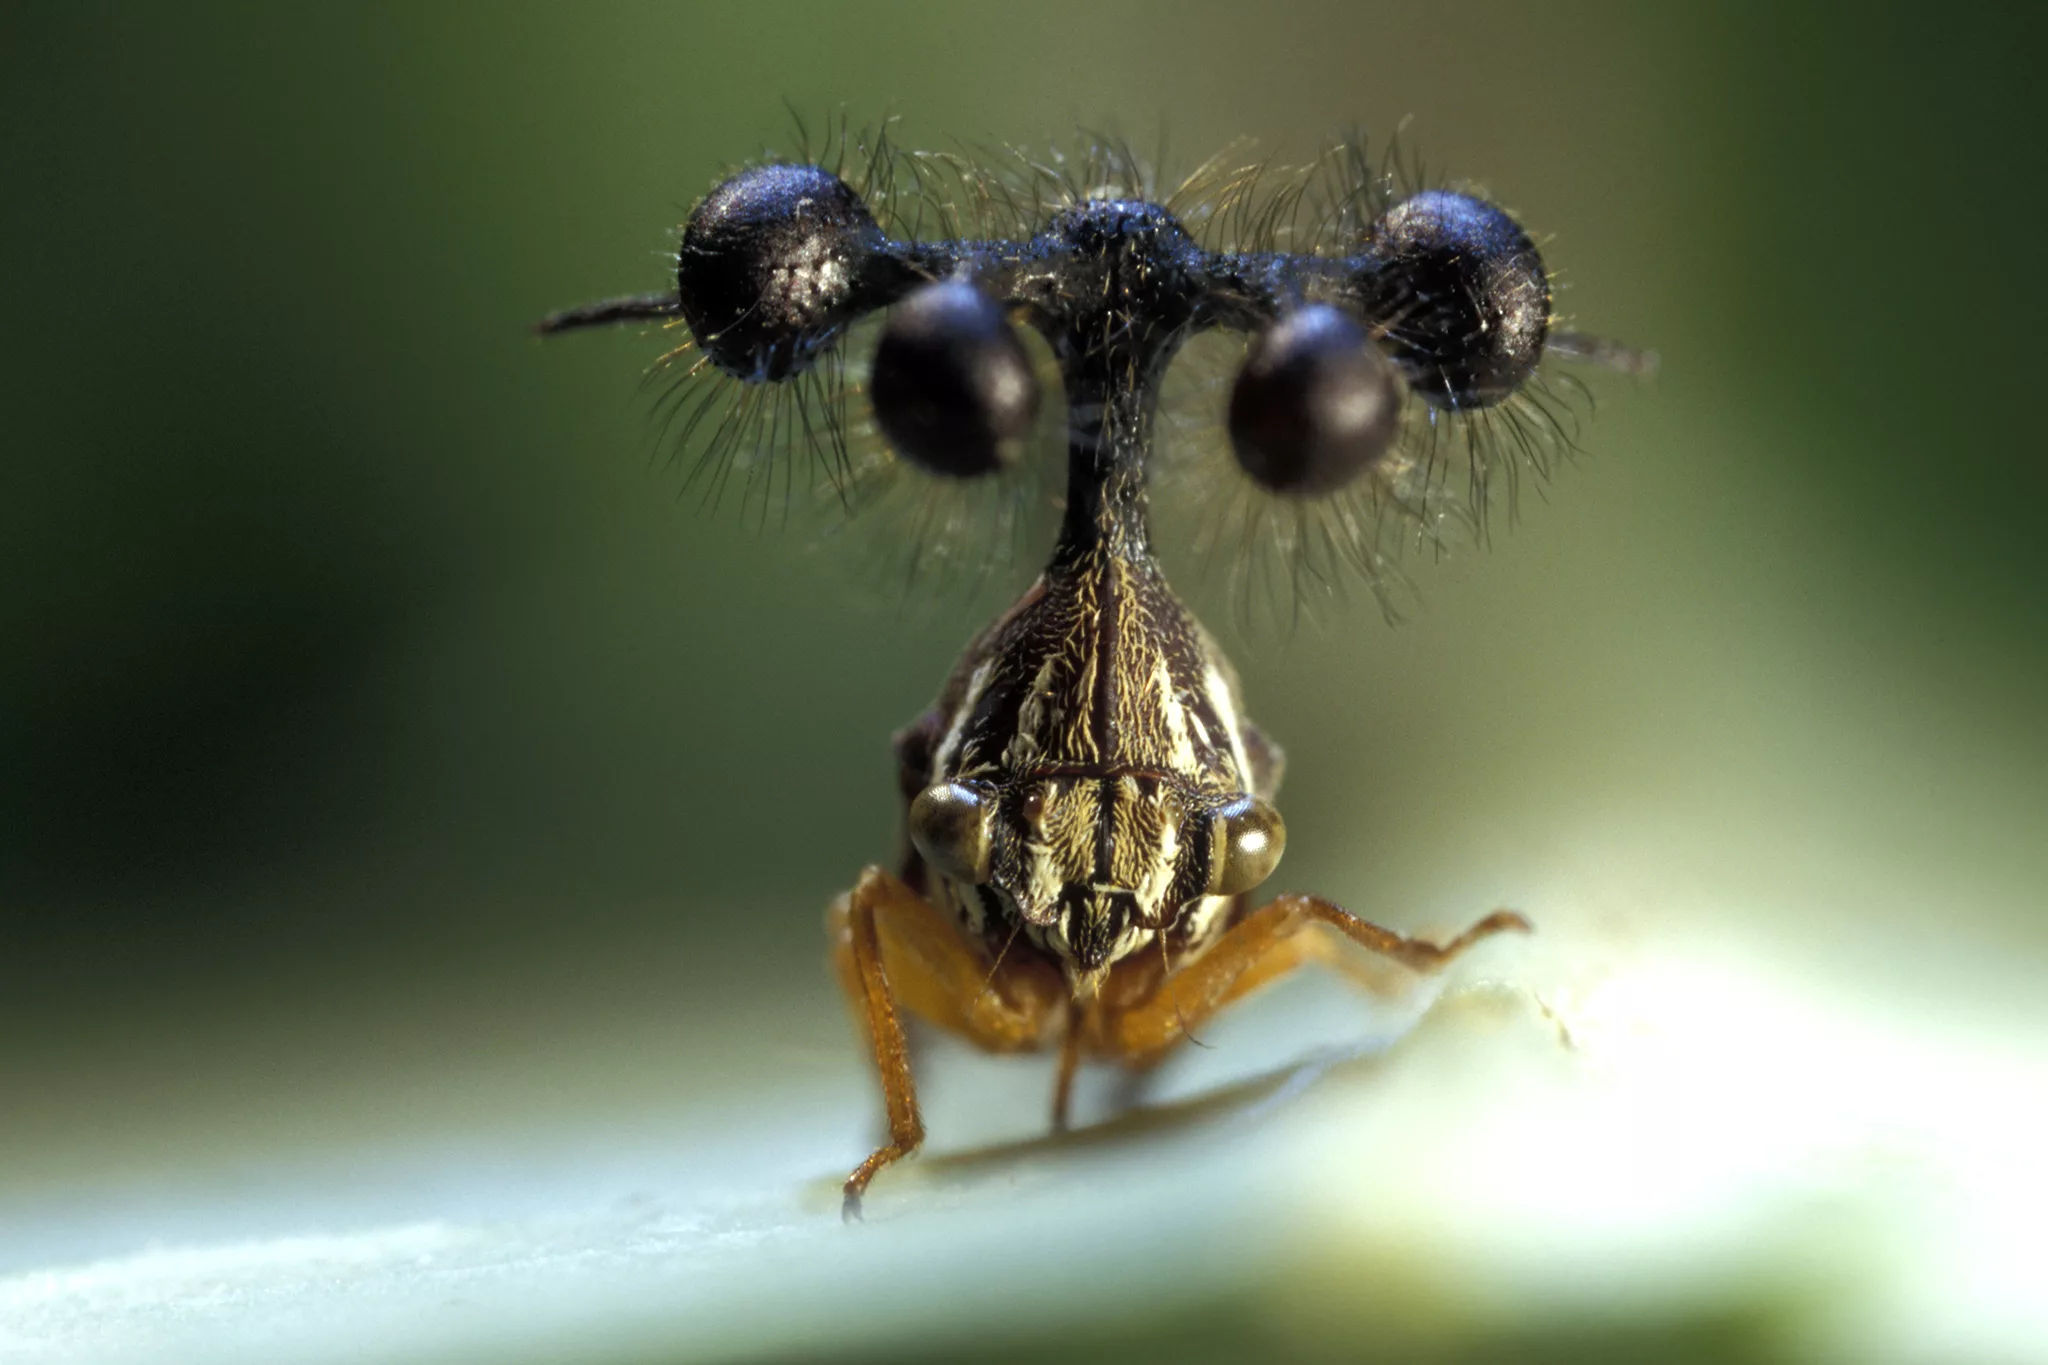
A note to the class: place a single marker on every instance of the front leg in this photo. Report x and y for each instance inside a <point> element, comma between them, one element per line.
<point>1263,947</point>
<point>891,946</point>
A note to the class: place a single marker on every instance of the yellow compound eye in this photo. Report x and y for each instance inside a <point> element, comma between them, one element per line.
<point>949,824</point>
<point>1246,839</point>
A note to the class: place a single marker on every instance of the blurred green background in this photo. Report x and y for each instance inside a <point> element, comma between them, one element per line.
<point>373,713</point>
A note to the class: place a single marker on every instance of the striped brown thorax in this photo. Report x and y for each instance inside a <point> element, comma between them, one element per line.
<point>1098,727</point>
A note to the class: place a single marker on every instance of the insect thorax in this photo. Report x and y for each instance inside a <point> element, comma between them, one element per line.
<point>1104,724</point>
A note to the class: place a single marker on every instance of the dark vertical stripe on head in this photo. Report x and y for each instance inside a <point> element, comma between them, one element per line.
<point>1109,609</point>
<point>1105,831</point>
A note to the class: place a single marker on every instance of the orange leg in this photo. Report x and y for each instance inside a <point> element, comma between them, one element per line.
<point>891,946</point>
<point>1063,1082</point>
<point>1264,946</point>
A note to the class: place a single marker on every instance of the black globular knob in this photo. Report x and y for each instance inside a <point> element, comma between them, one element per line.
<point>1315,404</point>
<point>952,386</point>
<point>770,266</point>
<point>1462,295</point>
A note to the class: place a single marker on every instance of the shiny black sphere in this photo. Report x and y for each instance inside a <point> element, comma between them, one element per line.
<point>952,387</point>
<point>771,268</point>
<point>1462,295</point>
<point>1315,404</point>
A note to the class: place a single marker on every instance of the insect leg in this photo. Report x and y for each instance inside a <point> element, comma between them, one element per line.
<point>1417,954</point>
<point>1264,946</point>
<point>894,950</point>
<point>1063,1082</point>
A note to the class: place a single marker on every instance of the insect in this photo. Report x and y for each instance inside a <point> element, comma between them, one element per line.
<point>1089,807</point>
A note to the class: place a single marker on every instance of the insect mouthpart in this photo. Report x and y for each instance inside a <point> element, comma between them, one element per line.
<point>1097,926</point>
